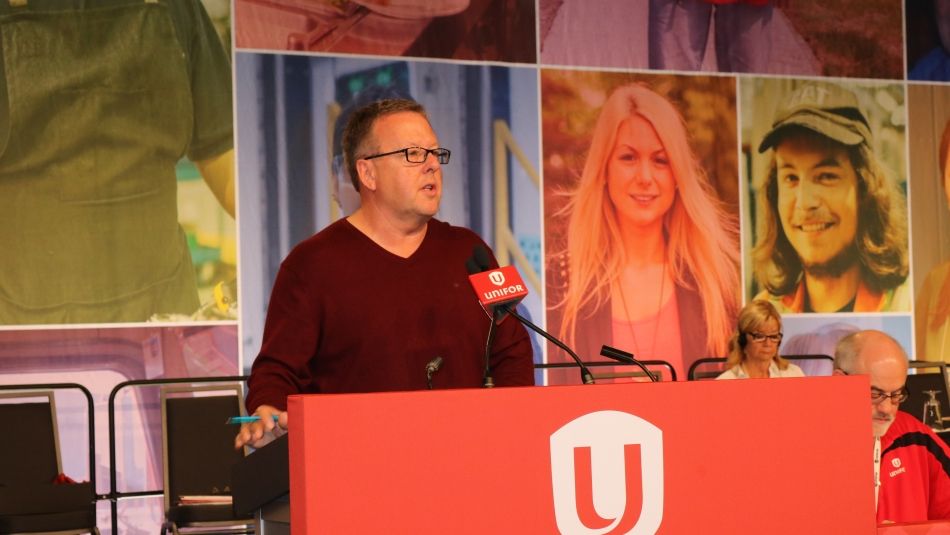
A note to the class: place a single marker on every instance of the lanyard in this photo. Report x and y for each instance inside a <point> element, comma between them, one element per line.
<point>877,469</point>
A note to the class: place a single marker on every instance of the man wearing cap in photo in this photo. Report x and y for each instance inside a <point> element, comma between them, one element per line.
<point>832,233</point>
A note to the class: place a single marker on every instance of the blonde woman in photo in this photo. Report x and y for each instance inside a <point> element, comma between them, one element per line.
<point>651,258</point>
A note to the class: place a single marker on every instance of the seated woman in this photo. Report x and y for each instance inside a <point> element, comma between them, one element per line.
<point>753,350</point>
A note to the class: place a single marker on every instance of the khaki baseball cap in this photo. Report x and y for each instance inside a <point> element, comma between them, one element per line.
<point>828,109</point>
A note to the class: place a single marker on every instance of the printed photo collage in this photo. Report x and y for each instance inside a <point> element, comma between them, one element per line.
<point>659,161</point>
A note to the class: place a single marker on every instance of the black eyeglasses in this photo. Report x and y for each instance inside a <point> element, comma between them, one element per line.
<point>896,397</point>
<point>761,337</point>
<point>417,154</point>
<point>878,396</point>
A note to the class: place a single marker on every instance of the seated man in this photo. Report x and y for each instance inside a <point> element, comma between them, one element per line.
<point>911,463</point>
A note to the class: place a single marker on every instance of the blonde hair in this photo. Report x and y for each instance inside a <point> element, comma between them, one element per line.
<point>751,317</point>
<point>702,252</point>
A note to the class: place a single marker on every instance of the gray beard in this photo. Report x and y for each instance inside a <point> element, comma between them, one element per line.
<point>835,266</point>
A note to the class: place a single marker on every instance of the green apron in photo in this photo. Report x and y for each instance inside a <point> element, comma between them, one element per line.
<point>99,110</point>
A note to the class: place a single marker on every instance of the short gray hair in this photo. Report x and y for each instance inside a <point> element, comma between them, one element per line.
<point>846,352</point>
<point>359,128</point>
<point>849,348</point>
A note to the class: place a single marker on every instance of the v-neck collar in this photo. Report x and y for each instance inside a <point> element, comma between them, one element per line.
<point>370,243</point>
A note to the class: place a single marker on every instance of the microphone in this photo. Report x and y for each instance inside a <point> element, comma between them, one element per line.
<point>432,367</point>
<point>476,265</point>
<point>499,291</point>
<point>628,358</point>
<point>497,287</point>
<point>481,258</point>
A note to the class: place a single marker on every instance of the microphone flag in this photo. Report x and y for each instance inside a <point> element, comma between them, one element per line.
<point>497,288</point>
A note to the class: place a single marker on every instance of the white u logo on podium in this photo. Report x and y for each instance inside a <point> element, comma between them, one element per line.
<point>594,480</point>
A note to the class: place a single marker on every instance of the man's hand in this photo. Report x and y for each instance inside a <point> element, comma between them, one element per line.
<point>259,433</point>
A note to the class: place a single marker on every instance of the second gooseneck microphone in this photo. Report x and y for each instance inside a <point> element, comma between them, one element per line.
<point>622,356</point>
<point>499,308</point>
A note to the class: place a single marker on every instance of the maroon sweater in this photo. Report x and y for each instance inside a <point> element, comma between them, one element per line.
<point>346,315</point>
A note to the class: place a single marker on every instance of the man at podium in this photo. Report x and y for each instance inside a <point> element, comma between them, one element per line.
<point>371,302</point>
<point>911,463</point>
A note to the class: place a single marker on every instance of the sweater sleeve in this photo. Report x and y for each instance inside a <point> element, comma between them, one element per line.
<point>291,334</point>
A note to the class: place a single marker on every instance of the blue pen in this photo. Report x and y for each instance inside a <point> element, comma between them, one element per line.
<point>245,419</point>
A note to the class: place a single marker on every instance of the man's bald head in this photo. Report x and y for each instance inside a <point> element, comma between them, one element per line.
<point>883,360</point>
<point>856,353</point>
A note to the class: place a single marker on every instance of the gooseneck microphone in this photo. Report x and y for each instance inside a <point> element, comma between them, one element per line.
<point>473,267</point>
<point>622,356</point>
<point>499,291</point>
<point>432,367</point>
<point>487,380</point>
<point>586,376</point>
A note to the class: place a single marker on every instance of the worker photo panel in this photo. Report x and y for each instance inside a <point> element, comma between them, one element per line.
<point>810,341</point>
<point>116,165</point>
<point>101,394</point>
<point>928,40</point>
<point>641,215</point>
<point>495,30</point>
<point>842,38</point>
<point>294,181</point>
<point>929,126</point>
<point>825,224</point>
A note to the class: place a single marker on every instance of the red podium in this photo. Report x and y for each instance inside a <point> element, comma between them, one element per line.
<point>754,456</point>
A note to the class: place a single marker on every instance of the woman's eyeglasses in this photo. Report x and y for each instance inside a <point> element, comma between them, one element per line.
<point>761,337</point>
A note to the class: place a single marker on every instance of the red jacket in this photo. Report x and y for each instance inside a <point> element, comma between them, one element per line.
<point>915,473</point>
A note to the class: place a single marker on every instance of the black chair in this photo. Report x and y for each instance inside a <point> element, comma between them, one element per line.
<point>619,371</point>
<point>813,365</point>
<point>198,454</point>
<point>143,389</point>
<point>919,381</point>
<point>30,463</point>
<point>706,368</point>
